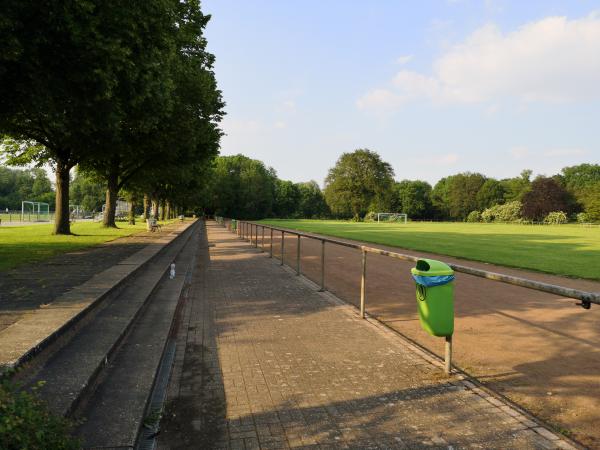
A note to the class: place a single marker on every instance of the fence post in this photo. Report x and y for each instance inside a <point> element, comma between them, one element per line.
<point>322,265</point>
<point>363,284</point>
<point>255,236</point>
<point>448,355</point>
<point>271,245</point>
<point>282,245</point>
<point>298,256</point>
<point>262,242</point>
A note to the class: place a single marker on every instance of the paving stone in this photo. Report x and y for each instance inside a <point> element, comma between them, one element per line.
<point>313,374</point>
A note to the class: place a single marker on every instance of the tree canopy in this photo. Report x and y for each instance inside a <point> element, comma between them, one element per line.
<point>359,182</point>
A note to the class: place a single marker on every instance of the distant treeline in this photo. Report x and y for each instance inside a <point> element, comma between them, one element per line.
<point>361,183</point>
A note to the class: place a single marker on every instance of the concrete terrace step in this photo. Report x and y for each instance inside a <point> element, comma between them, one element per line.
<point>114,414</point>
<point>71,372</point>
<point>36,331</point>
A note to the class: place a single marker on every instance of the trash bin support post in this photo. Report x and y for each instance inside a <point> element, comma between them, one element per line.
<point>363,284</point>
<point>448,355</point>
<point>322,265</point>
<point>298,256</point>
<point>271,245</point>
<point>282,245</point>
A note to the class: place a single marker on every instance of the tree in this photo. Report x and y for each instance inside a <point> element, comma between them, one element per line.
<point>491,193</point>
<point>456,196</point>
<point>241,188</point>
<point>87,192</point>
<point>515,188</point>
<point>414,198</point>
<point>360,181</point>
<point>18,185</point>
<point>312,202</point>
<point>61,67</point>
<point>546,195</point>
<point>287,199</point>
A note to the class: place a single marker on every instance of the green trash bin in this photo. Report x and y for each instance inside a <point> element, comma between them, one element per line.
<point>435,296</point>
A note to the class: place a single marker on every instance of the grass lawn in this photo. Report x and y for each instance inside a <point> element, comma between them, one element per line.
<point>569,250</point>
<point>20,245</point>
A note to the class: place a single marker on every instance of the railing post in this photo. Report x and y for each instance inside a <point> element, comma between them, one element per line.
<point>298,256</point>
<point>322,265</point>
<point>363,284</point>
<point>282,245</point>
<point>448,355</point>
<point>271,245</point>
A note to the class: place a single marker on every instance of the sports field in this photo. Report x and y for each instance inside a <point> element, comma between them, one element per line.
<point>569,250</point>
<point>25,244</point>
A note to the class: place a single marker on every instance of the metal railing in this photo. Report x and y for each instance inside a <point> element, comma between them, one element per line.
<point>249,230</point>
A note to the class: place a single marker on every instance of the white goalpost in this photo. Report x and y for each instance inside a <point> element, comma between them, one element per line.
<point>38,211</point>
<point>392,217</point>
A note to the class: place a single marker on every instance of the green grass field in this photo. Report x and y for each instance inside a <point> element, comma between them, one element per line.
<point>20,245</point>
<point>569,250</point>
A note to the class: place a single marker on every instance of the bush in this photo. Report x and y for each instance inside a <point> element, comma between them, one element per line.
<point>583,218</point>
<point>488,215</point>
<point>508,212</point>
<point>26,423</point>
<point>370,217</point>
<point>556,218</point>
<point>474,216</point>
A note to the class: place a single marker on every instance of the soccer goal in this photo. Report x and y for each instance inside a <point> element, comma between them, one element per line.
<point>35,211</point>
<point>392,217</point>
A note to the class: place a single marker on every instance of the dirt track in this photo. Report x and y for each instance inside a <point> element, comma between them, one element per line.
<point>539,350</point>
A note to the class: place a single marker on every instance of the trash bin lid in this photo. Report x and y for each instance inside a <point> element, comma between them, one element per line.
<point>431,268</point>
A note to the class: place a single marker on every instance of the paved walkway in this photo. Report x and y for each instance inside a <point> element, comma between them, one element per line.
<point>265,361</point>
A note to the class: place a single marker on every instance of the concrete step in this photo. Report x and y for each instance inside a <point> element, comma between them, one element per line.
<point>42,331</point>
<point>115,413</point>
<point>71,373</point>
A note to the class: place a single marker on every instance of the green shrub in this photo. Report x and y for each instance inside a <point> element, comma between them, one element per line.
<point>370,217</point>
<point>474,216</point>
<point>583,218</point>
<point>508,212</point>
<point>556,218</point>
<point>26,423</point>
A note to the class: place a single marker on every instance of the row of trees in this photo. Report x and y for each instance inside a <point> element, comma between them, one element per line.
<point>361,182</point>
<point>18,185</point>
<point>246,189</point>
<point>123,90</point>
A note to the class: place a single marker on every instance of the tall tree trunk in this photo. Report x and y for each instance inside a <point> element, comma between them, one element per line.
<point>163,210</point>
<point>169,212</point>
<point>61,216</point>
<point>146,207</point>
<point>131,211</point>
<point>155,209</point>
<point>112,188</point>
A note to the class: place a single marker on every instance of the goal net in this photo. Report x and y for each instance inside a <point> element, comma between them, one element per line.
<point>392,217</point>
<point>35,211</point>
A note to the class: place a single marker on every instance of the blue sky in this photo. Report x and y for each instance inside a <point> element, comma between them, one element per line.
<point>435,87</point>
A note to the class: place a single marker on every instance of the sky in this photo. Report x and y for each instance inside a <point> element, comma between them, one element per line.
<point>435,87</point>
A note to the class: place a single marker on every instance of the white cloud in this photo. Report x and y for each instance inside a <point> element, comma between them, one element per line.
<point>280,125</point>
<point>404,59</point>
<point>551,60</point>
